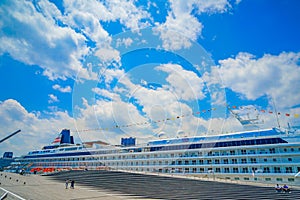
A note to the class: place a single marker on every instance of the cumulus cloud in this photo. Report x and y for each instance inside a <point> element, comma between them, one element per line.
<point>35,130</point>
<point>181,26</point>
<point>186,84</point>
<point>276,76</point>
<point>52,98</point>
<point>38,40</point>
<point>108,55</point>
<point>66,89</point>
<point>56,41</point>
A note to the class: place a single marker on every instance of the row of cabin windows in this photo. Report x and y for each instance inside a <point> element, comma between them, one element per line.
<point>179,162</point>
<point>199,154</point>
<point>219,161</point>
<point>233,170</point>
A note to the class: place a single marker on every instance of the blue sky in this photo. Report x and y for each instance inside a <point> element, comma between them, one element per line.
<point>145,67</point>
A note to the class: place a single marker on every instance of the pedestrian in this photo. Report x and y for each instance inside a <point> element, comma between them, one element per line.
<point>67,183</point>
<point>72,184</point>
<point>278,188</point>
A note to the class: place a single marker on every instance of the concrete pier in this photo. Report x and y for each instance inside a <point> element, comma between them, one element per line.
<point>122,185</point>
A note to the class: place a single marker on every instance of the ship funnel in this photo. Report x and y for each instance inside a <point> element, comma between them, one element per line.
<point>65,137</point>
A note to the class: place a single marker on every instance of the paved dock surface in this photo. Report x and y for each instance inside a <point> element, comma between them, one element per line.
<point>121,185</point>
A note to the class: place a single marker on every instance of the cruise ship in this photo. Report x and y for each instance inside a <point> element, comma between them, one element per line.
<point>262,155</point>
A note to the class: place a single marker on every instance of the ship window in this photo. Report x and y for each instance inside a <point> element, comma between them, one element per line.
<point>289,159</point>
<point>291,180</point>
<point>234,161</point>
<point>277,170</point>
<point>278,179</point>
<point>244,160</point>
<point>236,178</point>
<point>288,170</point>
<point>272,150</point>
<point>284,150</point>
<point>246,178</point>
<point>268,179</point>
<point>243,151</point>
<point>292,149</point>
<point>265,160</point>
<point>226,170</point>
<point>217,161</point>
<point>218,170</point>
<point>235,170</point>
<point>266,170</point>
<point>245,170</point>
<point>225,161</point>
<point>274,159</point>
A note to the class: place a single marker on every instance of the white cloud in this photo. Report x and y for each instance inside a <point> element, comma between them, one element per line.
<point>181,27</point>
<point>86,17</point>
<point>124,41</point>
<point>187,85</point>
<point>212,6</point>
<point>56,41</point>
<point>38,40</point>
<point>129,14</point>
<point>106,94</point>
<point>108,54</point>
<point>276,76</point>
<point>52,98</point>
<point>35,131</point>
<point>178,31</point>
<point>66,89</point>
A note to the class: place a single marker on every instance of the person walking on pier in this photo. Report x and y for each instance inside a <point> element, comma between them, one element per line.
<point>72,184</point>
<point>67,183</point>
